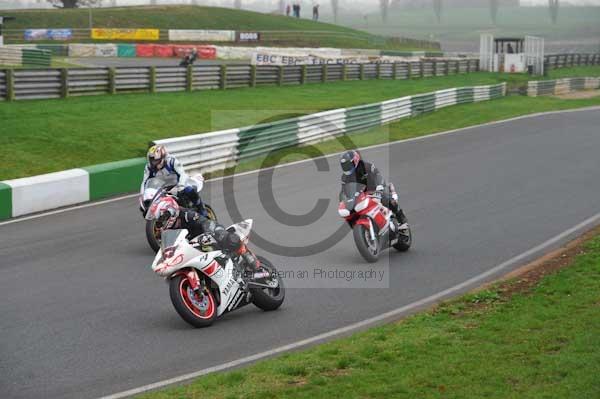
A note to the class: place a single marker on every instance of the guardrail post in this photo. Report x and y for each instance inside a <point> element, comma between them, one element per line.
<point>457,70</point>
<point>152,79</point>
<point>303,75</point>
<point>422,69</point>
<point>378,71</point>
<point>280,75</point>
<point>447,67</point>
<point>10,85</point>
<point>189,78</point>
<point>344,71</point>
<point>409,70</point>
<point>468,66</point>
<point>112,81</point>
<point>324,73</point>
<point>435,69</point>
<point>362,71</point>
<point>252,75</point>
<point>223,82</point>
<point>64,83</point>
<point>395,70</point>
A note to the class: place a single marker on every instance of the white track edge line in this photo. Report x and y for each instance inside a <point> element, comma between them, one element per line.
<point>425,137</point>
<point>588,223</point>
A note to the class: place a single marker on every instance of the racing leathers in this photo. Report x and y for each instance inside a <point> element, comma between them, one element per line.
<point>367,174</point>
<point>191,186</point>
<point>199,225</point>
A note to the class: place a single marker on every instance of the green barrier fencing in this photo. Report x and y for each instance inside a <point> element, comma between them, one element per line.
<point>423,103</point>
<point>126,50</point>
<point>261,139</point>
<point>57,50</point>
<point>464,95</point>
<point>5,201</point>
<point>363,117</point>
<point>33,57</point>
<point>115,177</point>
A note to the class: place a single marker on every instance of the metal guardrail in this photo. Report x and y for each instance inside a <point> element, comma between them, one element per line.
<point>561,86</point>
<point>555,61</point>
<point>223,149</point>
<point>24,84</point>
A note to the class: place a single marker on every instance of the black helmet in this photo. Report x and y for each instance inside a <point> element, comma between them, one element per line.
<point>349,161</point>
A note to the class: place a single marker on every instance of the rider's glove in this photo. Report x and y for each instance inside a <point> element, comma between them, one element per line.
<point>378,192</point>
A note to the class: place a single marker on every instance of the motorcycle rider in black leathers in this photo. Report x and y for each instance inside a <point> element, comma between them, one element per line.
<point>356,170</point>
<point>200,225</point>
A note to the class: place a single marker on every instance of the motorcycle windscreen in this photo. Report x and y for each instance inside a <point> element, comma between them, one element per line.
<point>161,181</point>
<point>170,237</point>
<point>350,193</point>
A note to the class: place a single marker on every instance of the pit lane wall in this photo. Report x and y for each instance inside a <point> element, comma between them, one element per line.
<point>223,149</point>
<point>29,195</point>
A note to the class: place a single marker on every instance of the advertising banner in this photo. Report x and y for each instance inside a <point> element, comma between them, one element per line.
<point>280,59</point>
<point>48,34</point>
<point>106,50</point>
<point>248,36</point>
<point>125,34</point>
<point>201,35</point>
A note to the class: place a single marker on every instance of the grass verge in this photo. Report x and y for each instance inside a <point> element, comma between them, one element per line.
<point>51,135</point>
<point>534,336</point>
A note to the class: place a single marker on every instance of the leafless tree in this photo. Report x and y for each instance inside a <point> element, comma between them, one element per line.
<point>384,5</point>
<point>335,7</point>
<point>494,10</point>
<point>437,8</point>
<point>553,5</point>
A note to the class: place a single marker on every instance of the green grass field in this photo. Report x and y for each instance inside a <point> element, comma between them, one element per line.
<point>512,340</point>
<point>51,135</point>
<point>196,17</point>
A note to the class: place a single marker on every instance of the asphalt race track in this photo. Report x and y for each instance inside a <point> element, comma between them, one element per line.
<point>82,315</point>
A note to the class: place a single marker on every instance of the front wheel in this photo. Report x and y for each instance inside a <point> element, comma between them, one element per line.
<point>269,298</point>
<point>210,212</point>
<point>368,248</point>
<point>153,234</point>
<point>198,309</point>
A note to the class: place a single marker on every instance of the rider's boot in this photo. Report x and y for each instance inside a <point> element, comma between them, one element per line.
<point>249,258</point>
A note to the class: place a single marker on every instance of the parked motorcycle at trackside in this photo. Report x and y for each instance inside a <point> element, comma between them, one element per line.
<point>374,226</point>
<point>158,189</point>
<point>205,283</point>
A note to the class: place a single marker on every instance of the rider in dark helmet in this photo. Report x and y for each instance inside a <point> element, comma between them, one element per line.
<point>171,216</point>
<point>358,171</point>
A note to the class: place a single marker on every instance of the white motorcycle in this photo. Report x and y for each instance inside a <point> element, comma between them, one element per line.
<point>205,283</point>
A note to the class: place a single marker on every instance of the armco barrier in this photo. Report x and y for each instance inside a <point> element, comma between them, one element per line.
<point>54,83</point>
<point>223,149</point>
<point>562,86</point>
<point>39,193</point>
<point>219,150</point>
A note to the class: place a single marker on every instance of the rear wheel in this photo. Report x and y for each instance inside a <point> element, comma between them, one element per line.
<point>269,298</point>
<point>368,248</point>
<point>199,310</point>
<point>153,235</point>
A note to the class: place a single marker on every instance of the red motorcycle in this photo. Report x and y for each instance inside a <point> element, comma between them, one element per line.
<point>373,225</point>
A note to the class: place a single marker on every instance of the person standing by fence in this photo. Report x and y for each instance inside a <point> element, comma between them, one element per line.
<point>316,12</point>
<point>288,9</point>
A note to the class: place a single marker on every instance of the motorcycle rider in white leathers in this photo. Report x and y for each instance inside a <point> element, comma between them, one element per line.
<point>161,163</point>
